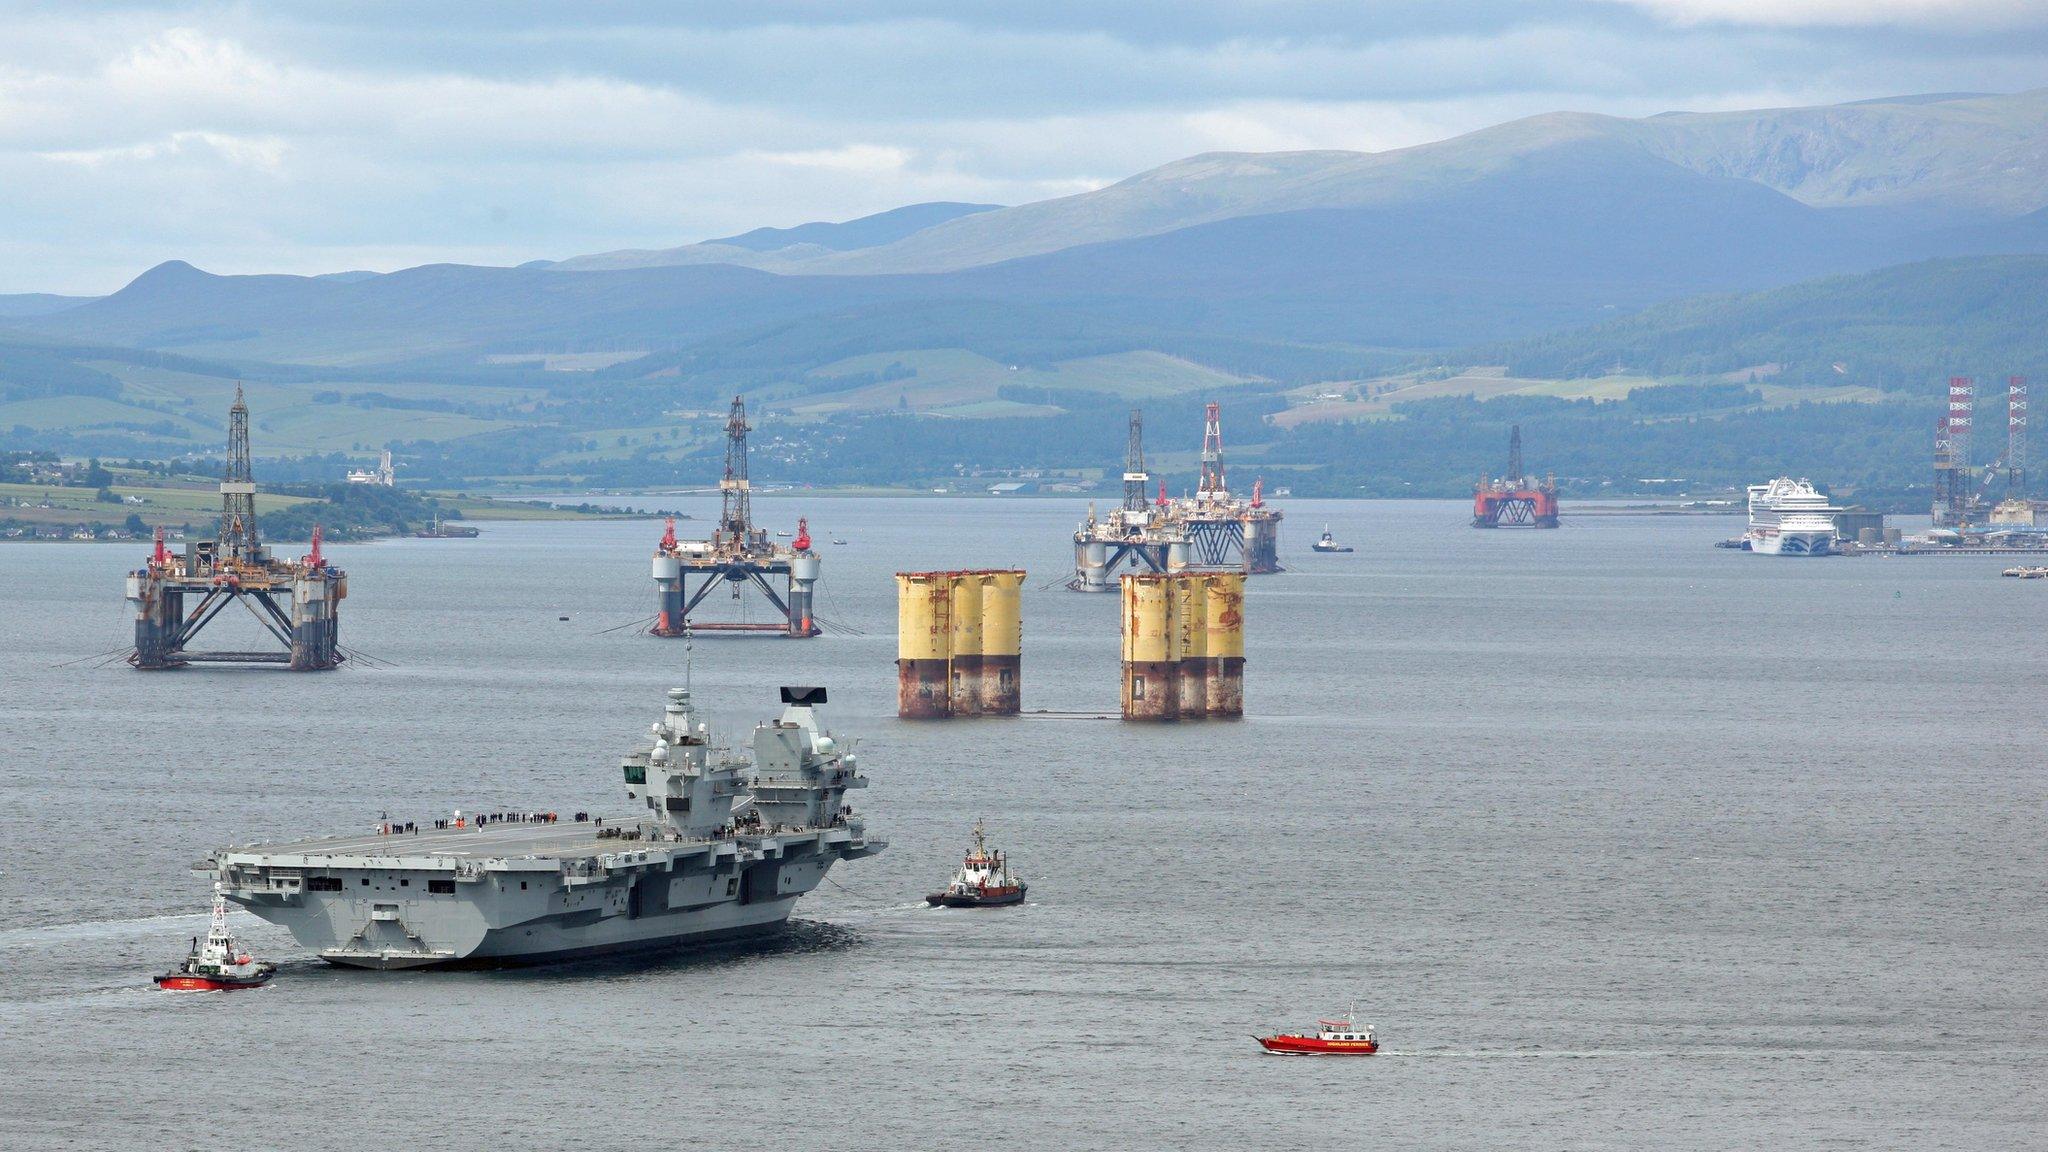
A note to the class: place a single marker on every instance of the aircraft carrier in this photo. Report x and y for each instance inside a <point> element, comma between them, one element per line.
<point>729,847</point>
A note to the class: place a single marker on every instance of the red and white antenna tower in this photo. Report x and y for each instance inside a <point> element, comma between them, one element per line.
<point>1962,402</point>
<point>2016,437</point>
<point>1952,483</point>
<point>1213,485</point>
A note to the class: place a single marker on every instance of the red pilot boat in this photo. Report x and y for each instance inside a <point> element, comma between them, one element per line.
<point>1333,1038</point>
<point>983,881</point>
<point>219,966</point>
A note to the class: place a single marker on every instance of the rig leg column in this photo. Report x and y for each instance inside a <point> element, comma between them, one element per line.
<point>1091,565</point>
<point>803,580</point>
<point>964,687</point>
<point>313,624</point>
<point>1224,661</point>
<point>668,586</point>
<point>156,619</point>
<point>1261,547</point>
<point>1151,690</point>
<point>924,639</point>
<point>1190,623</point>
<point>1002,643</point>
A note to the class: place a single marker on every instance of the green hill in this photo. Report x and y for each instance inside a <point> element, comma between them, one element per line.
<point>1899,329</point>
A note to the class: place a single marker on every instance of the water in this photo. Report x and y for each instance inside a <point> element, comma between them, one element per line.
<point>1620,840</point>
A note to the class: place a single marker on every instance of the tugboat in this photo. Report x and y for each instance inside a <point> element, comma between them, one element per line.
<point>220,966</point>
<point>1329,543</point>
<point>983,881</point>
<point>1338,1037</point>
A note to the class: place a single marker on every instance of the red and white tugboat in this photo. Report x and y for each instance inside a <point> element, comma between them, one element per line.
<point>220,966</point>
<point>1338,1037</point>
<point>983,881</point>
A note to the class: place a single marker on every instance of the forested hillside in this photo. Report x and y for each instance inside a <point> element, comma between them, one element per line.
<point>1895,328</point>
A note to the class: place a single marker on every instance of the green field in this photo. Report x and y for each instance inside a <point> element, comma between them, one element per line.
<point>1311,405</point>
<point>285,419</point>
<point>956,382</point>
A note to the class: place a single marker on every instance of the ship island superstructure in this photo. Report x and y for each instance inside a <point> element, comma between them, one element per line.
<point>1790,517</point>
<point>1211,530</point>
<point>727,846</point>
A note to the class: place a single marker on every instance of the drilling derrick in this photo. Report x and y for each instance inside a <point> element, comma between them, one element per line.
<point>1213,486</point>
<point>1514,500</point>
<point>736,521</point>
<point>297,604</point>
<point>1134,465</point>
<point>1952,486</point>
<point>236,541</point>
<point>2015,512</point>
<point>1222,532</point>
<point>739,555</point>
<point>2016,438</point>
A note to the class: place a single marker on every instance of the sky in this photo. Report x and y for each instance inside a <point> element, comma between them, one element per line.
<point>310,137</point>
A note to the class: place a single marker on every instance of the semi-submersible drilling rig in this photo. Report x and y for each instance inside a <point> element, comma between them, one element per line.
<point>1515,500</point>
<point>1211,530</point>
<point>296,602</point>
<point>737,554</point>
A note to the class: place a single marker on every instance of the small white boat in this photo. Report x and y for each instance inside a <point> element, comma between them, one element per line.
<point>1328,543</point>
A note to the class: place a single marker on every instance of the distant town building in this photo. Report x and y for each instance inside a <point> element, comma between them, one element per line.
<point>382,474</point>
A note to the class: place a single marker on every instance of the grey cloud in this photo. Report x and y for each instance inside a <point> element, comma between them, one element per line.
<point>310,138</point>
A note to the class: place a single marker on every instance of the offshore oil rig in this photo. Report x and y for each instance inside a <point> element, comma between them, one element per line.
<point>1961,501</point>
<point>1224,532</point>
<point>738,554</point>
<point>1515,501</point>
<point>296,602</point>
<point>1209,531</point>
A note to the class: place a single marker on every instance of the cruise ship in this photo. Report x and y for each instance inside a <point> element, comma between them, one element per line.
<point>1788,517</point>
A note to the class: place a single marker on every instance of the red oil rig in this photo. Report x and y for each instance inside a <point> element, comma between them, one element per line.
<point>296,602</point>
<point>1514,501</point>
<point>737,554</point>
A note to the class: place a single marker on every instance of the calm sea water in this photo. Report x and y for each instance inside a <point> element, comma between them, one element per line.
<point>1620,841</point>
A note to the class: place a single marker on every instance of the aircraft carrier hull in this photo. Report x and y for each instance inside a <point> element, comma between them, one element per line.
<point>475,899</point>
<point>542,942</point>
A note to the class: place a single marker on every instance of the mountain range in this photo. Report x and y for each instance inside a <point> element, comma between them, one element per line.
<point>1528,227</point>
<point>1922,161</point>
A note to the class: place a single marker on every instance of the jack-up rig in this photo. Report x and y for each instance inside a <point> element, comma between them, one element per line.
<point>297,602</point>
<point>1953,491</point>
<point>1514,500</point>
<point>1961,500</point>
<point>738,554</point>
<point>1209,531</point>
